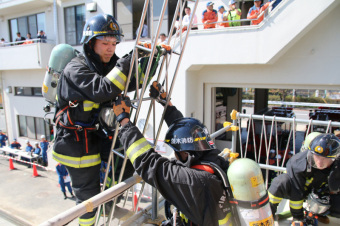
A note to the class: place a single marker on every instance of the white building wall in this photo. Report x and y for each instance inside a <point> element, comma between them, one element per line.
<point>312,62</point>
<point>21,105</point>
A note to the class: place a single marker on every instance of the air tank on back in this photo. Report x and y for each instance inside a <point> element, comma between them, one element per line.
<point>61,55</point>
<point>250,194</point>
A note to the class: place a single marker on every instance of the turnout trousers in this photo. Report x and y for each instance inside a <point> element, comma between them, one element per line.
<point>86,184</point>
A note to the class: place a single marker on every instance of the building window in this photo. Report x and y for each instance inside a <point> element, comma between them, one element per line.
<point>74,24</point>
<point>34,127</point>
<point>27,24</point>
<point>28,91</point>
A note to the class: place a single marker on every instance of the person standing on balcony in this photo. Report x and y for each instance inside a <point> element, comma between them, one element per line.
<point>317,171</point>
<point>87,86</point>
<point>255,11</point>
<point>42,36</point>
<point>233,14</point>
<point>187,18</point>
<point>209,16</point>
<point>3,43</point>
<point>223,16</point>
<point>28,39</point>
<point>186,182</point>
<point>162,39</point>
<point>19,39</point>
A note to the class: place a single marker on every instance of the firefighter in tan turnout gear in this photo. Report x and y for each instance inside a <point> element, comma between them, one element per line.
<point>186,182</point>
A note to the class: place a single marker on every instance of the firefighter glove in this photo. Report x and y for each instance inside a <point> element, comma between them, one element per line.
<point>157,92</point>
<point>144,53</point>
<point>121,108</point>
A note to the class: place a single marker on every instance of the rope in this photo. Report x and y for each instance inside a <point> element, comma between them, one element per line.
<point>31,163</point>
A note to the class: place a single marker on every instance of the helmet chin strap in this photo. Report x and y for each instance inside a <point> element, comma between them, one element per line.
<point>309,161</point>
<point>179,156</point>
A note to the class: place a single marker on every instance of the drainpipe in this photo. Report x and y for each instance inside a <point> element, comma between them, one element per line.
<point>55,21</point>
<point>4,107</point>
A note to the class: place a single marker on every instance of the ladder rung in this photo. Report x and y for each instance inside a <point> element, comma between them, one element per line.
<point>143,48</point>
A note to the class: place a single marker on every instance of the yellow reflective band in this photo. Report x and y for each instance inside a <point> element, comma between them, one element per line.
<point>226,221</point>
<point>138,148</point>
<point>142,75</point>
<point>184,217</point>
<point>87,222</point>
<point>108,182</point>
<point>309,181</point>
<point>296,204</point>
<point>89,105</point>
<point>273,199</point>
<point>117,77</point>
<point>77,162</point>
<point>56,97</point>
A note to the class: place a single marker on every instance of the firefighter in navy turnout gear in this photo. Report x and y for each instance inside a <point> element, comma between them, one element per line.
<point>185,182</point>
<point>87,84</point>
<point>313,171</point>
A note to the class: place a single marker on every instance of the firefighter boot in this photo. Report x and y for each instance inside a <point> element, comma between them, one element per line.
<point>323,219</point>
<point>65,196</point>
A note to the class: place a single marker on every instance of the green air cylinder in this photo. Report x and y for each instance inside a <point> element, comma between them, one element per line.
<point>60,56</point>
<point>246,181</point>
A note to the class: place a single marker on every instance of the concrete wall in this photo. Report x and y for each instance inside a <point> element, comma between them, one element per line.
<point>21,105</point>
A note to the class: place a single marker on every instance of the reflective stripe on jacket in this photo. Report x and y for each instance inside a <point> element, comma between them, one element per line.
<point>77,162</point>
<point>199,195</point>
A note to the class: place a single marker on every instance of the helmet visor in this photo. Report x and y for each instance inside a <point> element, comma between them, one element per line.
<point>321,162</point>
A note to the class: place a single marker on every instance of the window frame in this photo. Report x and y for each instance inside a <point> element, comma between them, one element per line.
<point>23,130</point>
<point>39,25</point>
<point>77,30</point>
<point>32,91</point>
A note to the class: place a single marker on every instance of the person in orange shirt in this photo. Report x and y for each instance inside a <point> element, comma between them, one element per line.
<point>209,16</point>
<point>256,10</point>
<point>28,39</point>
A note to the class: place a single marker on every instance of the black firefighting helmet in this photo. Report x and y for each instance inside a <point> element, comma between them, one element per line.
<point>189,134</point>
<point>326,145</point>
<point>101,25</point>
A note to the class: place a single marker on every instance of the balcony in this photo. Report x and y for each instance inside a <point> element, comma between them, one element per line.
<point>30,56</point>
<point>14,6</point>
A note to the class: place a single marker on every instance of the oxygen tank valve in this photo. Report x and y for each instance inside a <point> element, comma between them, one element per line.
<point>47,108</point>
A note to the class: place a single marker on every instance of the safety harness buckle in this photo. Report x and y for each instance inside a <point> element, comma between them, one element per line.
<point>73,104</point>
<point>79,128</point>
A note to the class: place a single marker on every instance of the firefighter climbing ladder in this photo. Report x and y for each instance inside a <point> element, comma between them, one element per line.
<point>176,41</point>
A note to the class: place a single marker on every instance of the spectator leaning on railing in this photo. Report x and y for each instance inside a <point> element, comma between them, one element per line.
<point>42,36</point>
<point>233,14</point>
<point>28,39</point>
<point>19,39</point>
<point>256,10</point>
<point>223,16</point>
<point>3,43</point>
<point>187,18</point>
<point>209,16</point>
